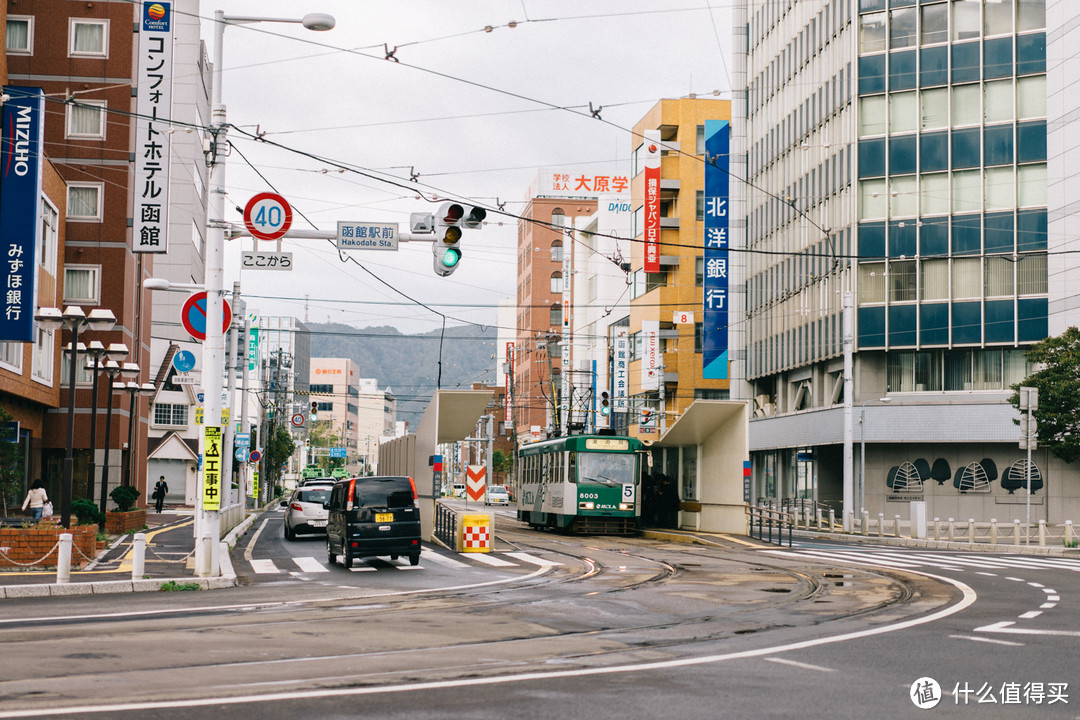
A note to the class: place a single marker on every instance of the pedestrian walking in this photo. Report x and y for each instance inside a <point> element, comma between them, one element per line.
<point>161,489</point>
<point>36,498</point>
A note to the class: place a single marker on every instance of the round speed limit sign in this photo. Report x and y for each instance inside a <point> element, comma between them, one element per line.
<point>267,216</point>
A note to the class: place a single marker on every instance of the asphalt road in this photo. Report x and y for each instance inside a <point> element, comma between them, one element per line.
<point>618,628</point>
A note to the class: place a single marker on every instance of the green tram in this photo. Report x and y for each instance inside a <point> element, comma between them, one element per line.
<point>581,484</point>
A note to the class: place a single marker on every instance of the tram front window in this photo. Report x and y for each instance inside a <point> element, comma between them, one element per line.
<point>605,468</point>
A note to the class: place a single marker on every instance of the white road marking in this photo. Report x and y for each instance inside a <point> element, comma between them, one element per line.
<point>1003,627</point>
<point>489,560</point>
<point>443,560</point>
<point>1053,598</point>
<point>987,574</point>
<point>1049,591</point>
<point>532,559</point>
<point>1048,605</point>
<point>987,640</point>
<point>1030,615</point>
<point>969,597</point>
<point>362,568</point>
<point>1034,584</point>
<point>264,567</point>
<point>804,666</point>
<point>309,565</point>
<point>1016,579</point>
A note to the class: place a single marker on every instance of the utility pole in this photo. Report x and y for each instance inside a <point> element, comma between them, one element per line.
<point>244,403</point>
<point>227,431</point>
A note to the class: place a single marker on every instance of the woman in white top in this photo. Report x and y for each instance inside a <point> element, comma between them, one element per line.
<point>36,499</point>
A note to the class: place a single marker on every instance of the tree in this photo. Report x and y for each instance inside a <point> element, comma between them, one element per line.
<point>1058,383</point>
<point>11,470</point>
<point>322,436</point>
<point>279,449</point>
<point>502,464</point>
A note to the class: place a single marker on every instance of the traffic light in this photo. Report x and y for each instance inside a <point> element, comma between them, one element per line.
<point>314,411</point>
<point>449,221</point>
<point>605,404</point>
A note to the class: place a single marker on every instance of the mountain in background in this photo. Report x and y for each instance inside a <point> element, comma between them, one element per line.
<point>409,364</point>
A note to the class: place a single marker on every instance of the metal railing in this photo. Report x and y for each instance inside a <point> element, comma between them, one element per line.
<point>445,525</point>
<point>767,519</point>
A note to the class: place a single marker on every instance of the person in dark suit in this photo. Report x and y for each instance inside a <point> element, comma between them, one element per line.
<point>161,489</point>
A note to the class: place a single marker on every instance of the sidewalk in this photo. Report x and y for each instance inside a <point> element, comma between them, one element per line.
<point>169,557</point>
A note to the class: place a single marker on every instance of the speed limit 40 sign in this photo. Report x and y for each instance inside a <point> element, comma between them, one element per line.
<point>267,216</point>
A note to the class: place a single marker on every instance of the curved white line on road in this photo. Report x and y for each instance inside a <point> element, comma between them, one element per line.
<point>969,597</point>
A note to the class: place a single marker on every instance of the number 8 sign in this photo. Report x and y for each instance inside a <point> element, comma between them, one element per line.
<point>267,216</point>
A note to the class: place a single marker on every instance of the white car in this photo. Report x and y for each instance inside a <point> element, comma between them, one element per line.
<point>496,495</point>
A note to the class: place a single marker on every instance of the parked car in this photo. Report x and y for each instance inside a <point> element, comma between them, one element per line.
<point>496,495</point>
<point>305,510</point>
<point>371,516</point>
<point>459,490</point>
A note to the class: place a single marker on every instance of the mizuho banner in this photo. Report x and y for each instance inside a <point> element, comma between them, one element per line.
<point>715,290</point>
<point>20,206</point>
<point>152,141</point>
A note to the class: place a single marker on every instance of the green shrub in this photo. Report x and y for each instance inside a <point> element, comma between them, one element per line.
<point>124,497</point>
<point>173,586</point>
<point>85,512</point>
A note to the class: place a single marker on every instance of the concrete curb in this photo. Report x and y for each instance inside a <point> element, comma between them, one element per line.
<point>227,579</point>
<point>998,548</point>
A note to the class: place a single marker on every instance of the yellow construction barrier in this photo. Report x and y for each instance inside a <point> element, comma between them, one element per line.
<point>476,533</point>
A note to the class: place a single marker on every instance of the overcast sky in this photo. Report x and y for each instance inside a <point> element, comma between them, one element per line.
<point>460,109</point>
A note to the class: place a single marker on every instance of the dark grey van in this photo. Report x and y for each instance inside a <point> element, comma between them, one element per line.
<point>373,516</point>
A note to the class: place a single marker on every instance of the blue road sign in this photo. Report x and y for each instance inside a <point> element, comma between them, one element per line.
<point>336,452</point>
<point>184,361</point>
<point>242,439</point>
<point>242,454</point>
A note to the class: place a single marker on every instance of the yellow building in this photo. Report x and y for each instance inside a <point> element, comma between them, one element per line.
<point>671,298</point>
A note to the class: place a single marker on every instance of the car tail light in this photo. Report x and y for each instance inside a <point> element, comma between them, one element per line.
<point>352,491</point>
<point>413,486</point>
<point>297,506</point>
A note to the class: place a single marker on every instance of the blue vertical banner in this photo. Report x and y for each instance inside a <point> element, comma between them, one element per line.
<point>20,208</point>
<point>715,289</point>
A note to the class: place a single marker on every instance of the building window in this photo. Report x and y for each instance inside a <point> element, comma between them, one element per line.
<point>699,340</point>
<point>50,237</point>
<point>84,202</point>
<point>82,284</point>
<point>11,354</point>
<point>699,140</point>
<point>174,414</point>
<point>20,35</point>
<point>88,38</point>
<point>86,120</point>
<point>85,376</point>
<point>327,389</point>
<point>699,204</point>
<point>42,362</point>
<point>699,271</point>
<point>556,282</point>
<point>558,218</point>
<point>557,251</point>
<point>556,315</point>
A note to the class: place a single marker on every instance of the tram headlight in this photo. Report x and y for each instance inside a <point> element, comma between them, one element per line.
<point>586,505</point>
<point>626,506</point>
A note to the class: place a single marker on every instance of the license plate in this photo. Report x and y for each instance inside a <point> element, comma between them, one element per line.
<point>384,517</point>
<point>318,523</point>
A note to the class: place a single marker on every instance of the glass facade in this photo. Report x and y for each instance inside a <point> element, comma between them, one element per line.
<point>951,172</point>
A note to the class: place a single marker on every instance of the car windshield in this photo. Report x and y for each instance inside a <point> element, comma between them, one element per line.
<point>319,496</point>
<point>497,490</point>
<point>606,468</point>
<point>383,492</point>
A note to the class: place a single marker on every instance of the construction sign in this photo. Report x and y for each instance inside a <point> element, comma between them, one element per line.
<point>475,534</point>
<point>475,482</point>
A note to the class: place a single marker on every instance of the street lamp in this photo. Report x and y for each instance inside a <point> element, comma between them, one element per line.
<point>133,389</point>
<point>862,450</point>
<point>209,522</point>
<point>96,351</point>
<point>73,318</point>
<point>112,369</point>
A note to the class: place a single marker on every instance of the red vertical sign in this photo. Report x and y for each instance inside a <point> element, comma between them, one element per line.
<point>652,201</point>
<point>508,399</point>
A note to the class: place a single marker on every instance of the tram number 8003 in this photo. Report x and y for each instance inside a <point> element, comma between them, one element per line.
<point>589,496</point>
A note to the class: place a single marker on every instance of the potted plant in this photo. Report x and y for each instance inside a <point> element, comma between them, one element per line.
<point>126,516</point>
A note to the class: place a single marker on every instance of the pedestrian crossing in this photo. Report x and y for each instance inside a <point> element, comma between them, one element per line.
<point>904,559</point>
<point>312,565</point>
